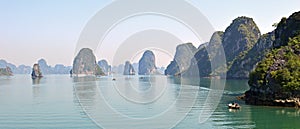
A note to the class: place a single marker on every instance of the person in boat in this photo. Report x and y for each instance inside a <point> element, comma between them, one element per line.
<point>234,105</point>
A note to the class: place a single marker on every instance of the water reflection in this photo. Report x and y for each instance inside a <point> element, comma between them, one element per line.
<point>36,91</point>
<point>5,80</point>
<point>187,81</point>
<point>84,79</point>
<point>127,99</point>
<point>288,112</point>
<point>270,117</point>
<point>36,81</point>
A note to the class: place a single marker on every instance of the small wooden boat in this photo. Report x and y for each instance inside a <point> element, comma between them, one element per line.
<point>234,106</point>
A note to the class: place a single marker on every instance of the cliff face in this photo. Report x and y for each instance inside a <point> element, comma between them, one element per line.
<point>147,63</point>
<point>239,37</point>
<point>5,71</point>
<point>12,67</point>
<point>237,40</point>
<point>45,68</point>
<point>106,68</point>
<point>182,59</point>
<point>243,65</point>
<point>276,77</point>
<point>208,53</point>
<point>201,66</point>
<point>287,28</point>
<point>85,63</point>
<point>128,69</point>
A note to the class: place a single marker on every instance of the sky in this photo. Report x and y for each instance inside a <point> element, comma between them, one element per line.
<point>35,29</point>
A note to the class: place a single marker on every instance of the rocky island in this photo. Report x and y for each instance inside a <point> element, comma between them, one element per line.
<point>182,59</point>
<point>147,64</point>
<point>105,67</point>
<point>276,79</point>
<point>85,64</point>
<point>128,69</point>
<point>5,71</point>
<point>36,71</point>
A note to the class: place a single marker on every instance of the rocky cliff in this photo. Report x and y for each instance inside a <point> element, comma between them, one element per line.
<point>147,63</point>
<point>106,68</point>
<point>36,71</point>
<point>275,80</point>
<point>85,63</point>
<point>244,64</point>
<point>182,59</point>
<point>239,37</point>
<point>128,69</point>
<point>45,68</point>
<point>287,28</point>
<point>5,71</point>
<point>13,68</point>
<point>237,40</point>
<point>201,64</point>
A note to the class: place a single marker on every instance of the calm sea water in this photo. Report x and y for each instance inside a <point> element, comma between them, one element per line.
<point>58,101</point>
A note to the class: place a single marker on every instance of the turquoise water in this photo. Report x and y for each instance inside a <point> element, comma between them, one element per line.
<point>58,101</point>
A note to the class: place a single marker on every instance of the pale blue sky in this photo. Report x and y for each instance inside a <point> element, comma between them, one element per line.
<point>34,29</point>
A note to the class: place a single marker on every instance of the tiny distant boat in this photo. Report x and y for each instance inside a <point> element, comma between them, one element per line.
<point>234,106</point>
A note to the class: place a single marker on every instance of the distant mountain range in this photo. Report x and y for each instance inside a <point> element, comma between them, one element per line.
<point>45,68</point>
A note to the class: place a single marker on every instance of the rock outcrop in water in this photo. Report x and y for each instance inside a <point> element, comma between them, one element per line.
<point>128,69</point>
<point>5,71</point>
<point>182,59</point>
<point>85,63</point>
<point>147,63</point>
<point>275,80</point>
<point>105,67</point>
<point>36,71</point>
<point>22,69</point>
<point>45,68</point>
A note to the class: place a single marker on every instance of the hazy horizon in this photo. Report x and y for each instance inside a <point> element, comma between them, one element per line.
<point>33,30</point>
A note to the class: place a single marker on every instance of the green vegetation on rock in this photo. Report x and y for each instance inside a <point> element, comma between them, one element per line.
<point>282,66</point>
<point>276,79</point>
<point>287,28</point>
